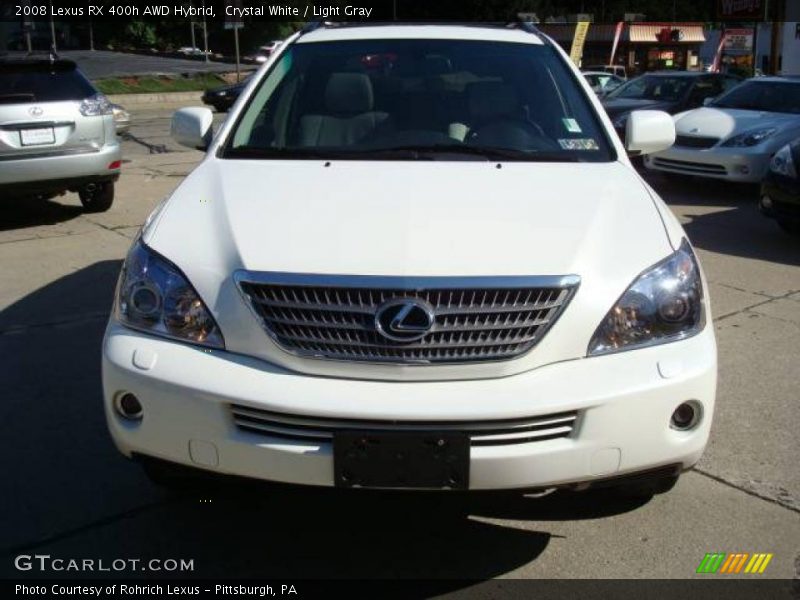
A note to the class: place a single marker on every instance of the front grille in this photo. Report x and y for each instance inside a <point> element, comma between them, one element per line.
<point>471,319</point>
<point>690,167</point>
<point>692,141</point>
<point>482,433</point>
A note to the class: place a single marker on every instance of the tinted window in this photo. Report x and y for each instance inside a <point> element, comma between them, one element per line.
<point>653,87</point>
<point>406,99</point>
<point>769,96</point>
<point>21,83</point>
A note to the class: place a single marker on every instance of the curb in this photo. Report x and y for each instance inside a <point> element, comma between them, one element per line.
<point>127,100</point>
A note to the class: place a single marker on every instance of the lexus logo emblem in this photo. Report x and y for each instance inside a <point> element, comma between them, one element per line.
<point>404,319</point>
<point>35,111</point>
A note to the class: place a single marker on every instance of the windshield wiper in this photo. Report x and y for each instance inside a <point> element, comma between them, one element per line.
<point>489,153</point>
<point>418,152</point>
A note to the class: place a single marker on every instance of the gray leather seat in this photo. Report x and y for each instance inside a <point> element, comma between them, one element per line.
<point>349,116</point>
<point>487,101</point>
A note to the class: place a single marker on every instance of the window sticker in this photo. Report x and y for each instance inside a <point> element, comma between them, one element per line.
<point>571,125</point>
<point>579,144</point>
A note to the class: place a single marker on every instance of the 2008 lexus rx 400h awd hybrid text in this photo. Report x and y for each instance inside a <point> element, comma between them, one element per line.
<point>414,257</point>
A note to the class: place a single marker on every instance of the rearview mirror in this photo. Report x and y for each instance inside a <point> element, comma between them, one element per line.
<point>192,127</point>
<point>649,131</point>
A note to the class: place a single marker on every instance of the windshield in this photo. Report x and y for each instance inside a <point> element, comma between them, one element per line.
<point>35,82</point>
<point>419,100</point>
<point>653,87</point>
<point>768,96</point>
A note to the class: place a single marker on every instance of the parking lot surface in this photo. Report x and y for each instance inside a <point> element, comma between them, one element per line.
<point>70,494</point>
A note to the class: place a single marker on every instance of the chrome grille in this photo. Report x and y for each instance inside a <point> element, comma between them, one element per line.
<point>695,141</point>
<point>482,433</point>
<point>473,319</point>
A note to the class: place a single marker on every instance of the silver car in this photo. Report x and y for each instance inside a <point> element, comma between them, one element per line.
<point>57,133</point>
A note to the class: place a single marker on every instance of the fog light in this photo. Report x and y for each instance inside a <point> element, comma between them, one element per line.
<point>686,416</point>
<point>743,169</point>
<point>129,406</point>
<point>766,202</point>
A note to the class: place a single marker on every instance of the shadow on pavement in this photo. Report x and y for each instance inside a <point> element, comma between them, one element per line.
<point>70,494</point>
<point>19,213</point>
<point>739,231</point>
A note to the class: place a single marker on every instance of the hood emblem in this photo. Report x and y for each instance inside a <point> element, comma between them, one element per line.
<point>694,130</point>
<point>35,111</point>
<point>404,319</point>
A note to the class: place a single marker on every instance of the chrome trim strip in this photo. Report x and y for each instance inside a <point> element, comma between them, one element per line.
<point>401,282</point>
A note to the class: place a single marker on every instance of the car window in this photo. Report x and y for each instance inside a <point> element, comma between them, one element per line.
<point>728,83</point>
<point>653,87</point>
<point>370,98</point>
<point>704,87</point>
<point>41,82</point>
<point>768,96</point>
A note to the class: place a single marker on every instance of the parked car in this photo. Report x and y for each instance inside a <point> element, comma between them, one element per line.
<point>670,91</point>
<point>122,118</point>
<point>222,98</point>
<point>734,137</point>
<point>263,53</point>
<point>618,70</point>
<point>367,283</point>
<point>780,190</point>
<point>193,51</point>
<point>57,133</point>
<point>602,83</point>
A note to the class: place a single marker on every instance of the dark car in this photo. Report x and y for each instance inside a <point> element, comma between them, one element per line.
<point>670,91</point>
<point>780,190</point>
<point>222,98</point>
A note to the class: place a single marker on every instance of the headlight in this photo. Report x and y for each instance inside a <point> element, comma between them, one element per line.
<point>664,304</point>
<point>155,297</point>
<point>782,163</point>
<point>96,106</point>
<point>749,138</point>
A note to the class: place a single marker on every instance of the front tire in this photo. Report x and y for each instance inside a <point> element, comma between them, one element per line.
<point>99,198</point>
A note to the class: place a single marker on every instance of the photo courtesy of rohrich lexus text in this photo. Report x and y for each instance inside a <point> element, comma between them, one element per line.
<point>486,298</point>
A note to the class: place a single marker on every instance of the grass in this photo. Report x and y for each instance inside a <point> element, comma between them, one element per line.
<point>158,84</point>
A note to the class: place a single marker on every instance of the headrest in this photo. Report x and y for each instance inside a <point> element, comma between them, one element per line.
<point>488,99</point>
<point>348,93</point>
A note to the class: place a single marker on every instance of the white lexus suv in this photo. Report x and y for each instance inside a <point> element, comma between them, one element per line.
<point>414,256</point>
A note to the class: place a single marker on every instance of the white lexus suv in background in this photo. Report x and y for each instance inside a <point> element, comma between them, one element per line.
<point>414,257</point>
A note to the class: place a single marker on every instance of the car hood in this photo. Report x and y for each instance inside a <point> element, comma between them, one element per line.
<point>618,106</point>
<point>411,218</point>
<point>725,122</point>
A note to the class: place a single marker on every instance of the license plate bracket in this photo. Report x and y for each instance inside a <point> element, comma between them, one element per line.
<point>40,136</point>
<point>399,459</point>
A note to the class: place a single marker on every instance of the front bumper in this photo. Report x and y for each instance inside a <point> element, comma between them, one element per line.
<point>624,402</point>
<point>727,164</point>
<point>51,165</point>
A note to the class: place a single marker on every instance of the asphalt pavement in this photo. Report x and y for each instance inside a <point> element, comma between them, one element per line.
<point>69,493</point>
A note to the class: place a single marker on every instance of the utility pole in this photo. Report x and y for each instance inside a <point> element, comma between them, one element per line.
<point>236,39</point>
<point>91,36</point>
<point>52,29</point>
<point>205,33</point>
<point>191,27</point>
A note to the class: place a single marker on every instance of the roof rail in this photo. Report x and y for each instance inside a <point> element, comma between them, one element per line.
<point>520,24</point>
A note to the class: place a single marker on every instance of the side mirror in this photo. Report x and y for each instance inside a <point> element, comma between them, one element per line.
<point>649,131</point>
<point>191,127</point>
<point>708,100</point>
